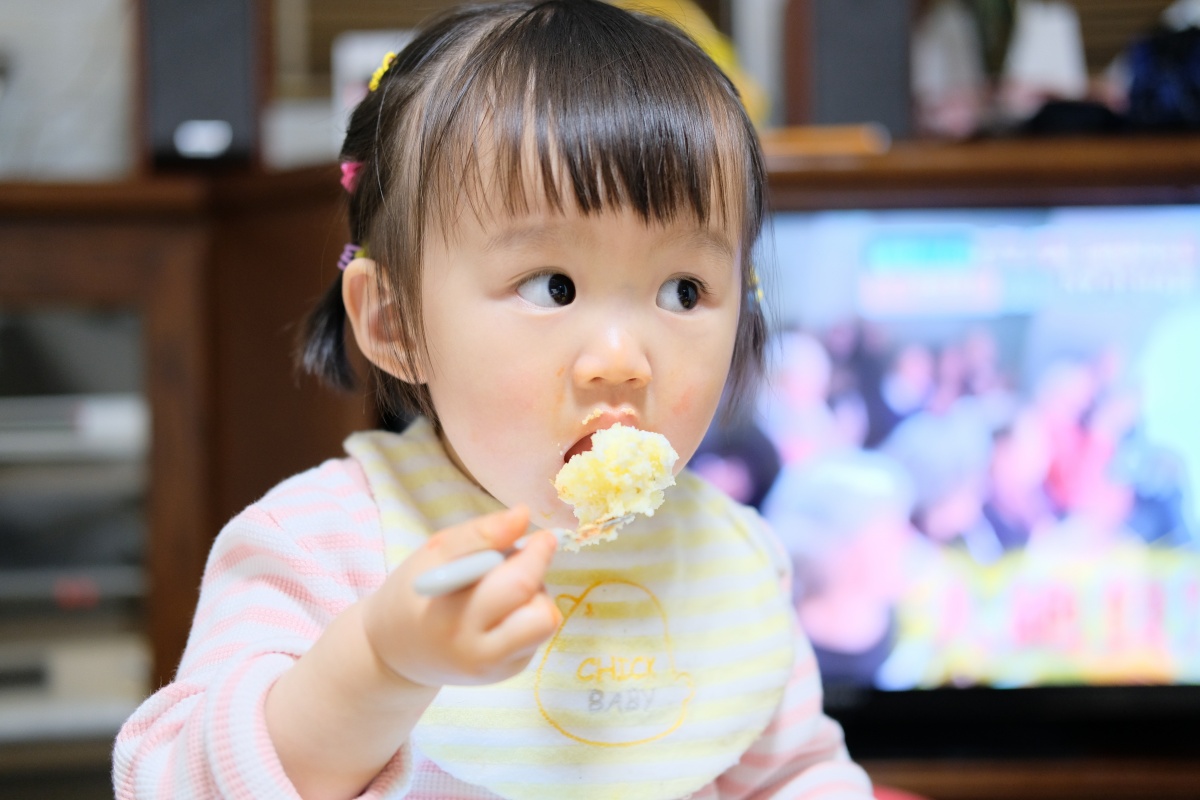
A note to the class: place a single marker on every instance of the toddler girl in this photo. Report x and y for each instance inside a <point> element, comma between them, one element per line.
<point>553,206</point>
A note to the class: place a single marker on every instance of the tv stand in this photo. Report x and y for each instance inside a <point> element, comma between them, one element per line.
<point>1040,779</point>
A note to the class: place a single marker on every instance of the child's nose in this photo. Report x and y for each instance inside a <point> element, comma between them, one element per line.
<point>614,355</point>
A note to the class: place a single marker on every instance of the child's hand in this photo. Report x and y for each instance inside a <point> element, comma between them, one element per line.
<point>482,634</point>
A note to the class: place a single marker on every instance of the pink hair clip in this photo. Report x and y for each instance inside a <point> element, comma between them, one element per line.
<point>349,253</point>
<point>350,170</point>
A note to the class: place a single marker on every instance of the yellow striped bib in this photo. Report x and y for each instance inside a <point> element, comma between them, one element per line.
<point>673,654</point>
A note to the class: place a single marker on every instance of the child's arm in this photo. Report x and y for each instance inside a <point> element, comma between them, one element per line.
<point>279,575</point>
<point>342,712</point>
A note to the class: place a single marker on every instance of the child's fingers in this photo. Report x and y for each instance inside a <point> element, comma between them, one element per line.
<point>512,584</point>
<point>495,531</point>
<point>522,631</point>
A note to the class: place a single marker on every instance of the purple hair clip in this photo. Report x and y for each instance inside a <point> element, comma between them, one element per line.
<point>349,253</point>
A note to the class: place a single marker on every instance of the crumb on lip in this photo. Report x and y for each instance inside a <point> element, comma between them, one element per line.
<point>595,413</point>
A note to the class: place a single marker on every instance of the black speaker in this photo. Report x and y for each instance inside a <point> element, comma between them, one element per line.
<point>847,62</point>
<point>202,76</point>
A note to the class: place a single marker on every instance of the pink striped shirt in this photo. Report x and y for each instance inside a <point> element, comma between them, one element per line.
<point>278,574</point>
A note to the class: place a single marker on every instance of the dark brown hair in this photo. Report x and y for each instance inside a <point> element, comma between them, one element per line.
<point>603,107</point>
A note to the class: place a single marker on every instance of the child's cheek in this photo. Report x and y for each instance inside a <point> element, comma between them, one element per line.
<point>559,394</point>
<point>684,404</point>
<point>525,395</point>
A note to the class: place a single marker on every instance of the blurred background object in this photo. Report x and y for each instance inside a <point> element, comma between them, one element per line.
<point>203,81</point>
<point>74,441</point>
<point>699,25</point>
<point>950,82</point>
<point>67,104</point>
<point>1045,59</point>
<point>1164,77</point>
<point>847,61</point>
<point>91,94</point>
<point>1039,68</point>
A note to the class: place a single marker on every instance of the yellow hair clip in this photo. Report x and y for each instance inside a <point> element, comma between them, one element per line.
<point>755,288</point>
<point>377,76</point>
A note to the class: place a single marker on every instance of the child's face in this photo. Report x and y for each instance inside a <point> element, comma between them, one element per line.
<point>547,327</point>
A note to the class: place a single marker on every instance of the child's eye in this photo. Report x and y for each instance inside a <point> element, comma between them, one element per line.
<point>548,290</point>
<point>679,294</point>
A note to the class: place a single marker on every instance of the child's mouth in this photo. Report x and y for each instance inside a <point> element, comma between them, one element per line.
<point>598,420</point>
<point>582,446</point>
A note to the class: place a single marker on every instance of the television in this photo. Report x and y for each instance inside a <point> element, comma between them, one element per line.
<point>979,441</point>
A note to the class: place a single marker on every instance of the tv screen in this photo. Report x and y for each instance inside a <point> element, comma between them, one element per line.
<point>980,444</point>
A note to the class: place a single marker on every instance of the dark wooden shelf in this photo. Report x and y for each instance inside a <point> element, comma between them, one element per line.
<point>169,196</point>
<point>1136,169</point>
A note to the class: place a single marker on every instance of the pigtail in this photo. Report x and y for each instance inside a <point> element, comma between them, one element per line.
<point>323,349</point>
<point>368,168</point>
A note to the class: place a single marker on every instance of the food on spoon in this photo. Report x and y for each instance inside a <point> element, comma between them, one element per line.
<point>624,472</point>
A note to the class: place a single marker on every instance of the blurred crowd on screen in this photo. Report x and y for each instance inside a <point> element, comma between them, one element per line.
<point>867,454</point>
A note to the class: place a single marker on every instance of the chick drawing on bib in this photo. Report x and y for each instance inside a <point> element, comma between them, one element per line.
<point>608,677</point>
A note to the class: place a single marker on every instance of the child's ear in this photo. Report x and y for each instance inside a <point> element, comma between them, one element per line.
<point>366,304</point>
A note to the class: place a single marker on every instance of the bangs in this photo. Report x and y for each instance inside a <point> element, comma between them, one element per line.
<point>585,106</point>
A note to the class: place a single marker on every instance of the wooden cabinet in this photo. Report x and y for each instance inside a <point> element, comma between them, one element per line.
<point>221,272</point>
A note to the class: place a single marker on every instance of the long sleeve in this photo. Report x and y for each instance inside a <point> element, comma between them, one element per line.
<point>277,575</point>
<point>801,754</point>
